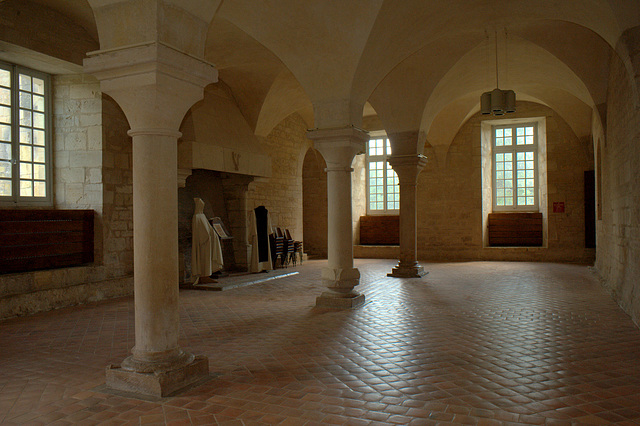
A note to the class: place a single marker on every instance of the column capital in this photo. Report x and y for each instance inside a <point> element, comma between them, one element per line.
<point>408,167</point>
<point>339,145</point>
<point>154,83</point>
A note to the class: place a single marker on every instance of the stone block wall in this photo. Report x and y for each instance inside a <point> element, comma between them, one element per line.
<point>235,187</point>
<point>314,194</point>
<point>281,193</point>
<point>91,170</point>
<point>618,230</point>
<point>77,142</point>
<point>232,196</point>
<point>315,202</point>
<point>450,197</point>
<point>117,177</point>
<point>358,194</point>
<point>36,27</point>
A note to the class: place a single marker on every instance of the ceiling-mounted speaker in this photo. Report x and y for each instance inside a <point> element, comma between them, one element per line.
<point>485,103</point>
<point>497,101</point>
<point>510,101</point>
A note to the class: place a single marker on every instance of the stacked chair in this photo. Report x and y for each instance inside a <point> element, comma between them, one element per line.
<point>277,248</point>
<point>284,248</point>
<point>287,247</point>
<point>295,247</point>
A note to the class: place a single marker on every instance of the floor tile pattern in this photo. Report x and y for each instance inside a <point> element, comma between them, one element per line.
<point>483,343</point>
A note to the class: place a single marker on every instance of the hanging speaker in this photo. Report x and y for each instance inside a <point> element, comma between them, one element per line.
<point>485,103</point>
<point>510,101</point>
<point>497,101</point>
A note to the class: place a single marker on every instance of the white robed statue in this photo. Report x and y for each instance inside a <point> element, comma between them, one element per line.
<point>206,250</point>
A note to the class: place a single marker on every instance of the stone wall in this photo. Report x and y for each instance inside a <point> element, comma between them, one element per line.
<point>358,194</point>
<point>34,26</point>
<point>91,170</point>
<point>77,142</point>
<point>450,198</point>
<point>281,193</point>
<point>235,187</point>
<point>315,204</point>
<point>231,196</point>
<point>618,230</point>
<point>117,177</point>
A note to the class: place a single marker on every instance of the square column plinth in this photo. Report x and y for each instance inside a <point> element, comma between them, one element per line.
<point>340,293</point>
<point>160,383</point>
<point>400,271</point>
<point>330,301</point>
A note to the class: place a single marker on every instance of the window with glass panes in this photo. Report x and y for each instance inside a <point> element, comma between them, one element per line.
<point>515,168</point>
<point>383,191</point>
<point>24,128</point>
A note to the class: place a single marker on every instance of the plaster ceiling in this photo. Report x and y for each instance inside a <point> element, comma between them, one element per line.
<point>422,60</point>
<point>420,63</point>
<point>528,65</point>
<point>78,10</point>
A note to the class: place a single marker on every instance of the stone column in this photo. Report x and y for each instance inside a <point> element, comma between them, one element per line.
<point>407,167</point>
<point>338,147</point>
<point>155,85</point>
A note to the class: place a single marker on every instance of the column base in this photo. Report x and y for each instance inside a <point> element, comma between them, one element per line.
<point>327,300</point>
<point>159,383</point>
<point>340,283</point>
<point>413,271</point>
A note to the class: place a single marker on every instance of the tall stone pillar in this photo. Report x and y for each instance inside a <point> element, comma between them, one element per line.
<point>407,167</point>
<point>338,147</point>
<point>155,85</point>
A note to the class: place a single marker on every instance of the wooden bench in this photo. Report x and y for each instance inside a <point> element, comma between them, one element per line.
<point>45,239</point>
<point>515,229</point>
<point>380,230</point>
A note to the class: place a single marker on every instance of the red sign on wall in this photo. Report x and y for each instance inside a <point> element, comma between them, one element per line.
<point>558,206</point>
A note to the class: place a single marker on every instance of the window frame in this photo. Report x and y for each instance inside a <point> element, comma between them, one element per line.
<point>384,158</point>
<point>15,199</point>
<point>514,149</point>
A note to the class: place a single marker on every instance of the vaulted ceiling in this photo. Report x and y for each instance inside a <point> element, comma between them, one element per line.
<point>421,65</point>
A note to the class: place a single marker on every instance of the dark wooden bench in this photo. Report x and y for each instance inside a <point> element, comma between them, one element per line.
<point>515,229</point>
<point>380,230</point>
<point>45,239</point>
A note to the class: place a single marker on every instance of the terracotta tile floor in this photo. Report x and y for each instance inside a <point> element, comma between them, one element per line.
<point>472,343</point>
